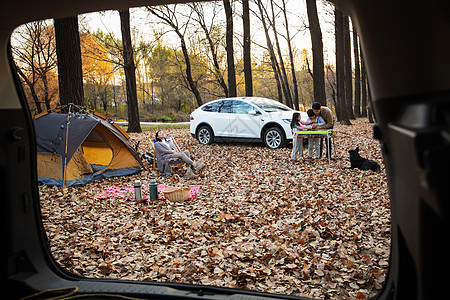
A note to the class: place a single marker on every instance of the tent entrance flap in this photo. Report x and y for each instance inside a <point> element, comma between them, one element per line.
<point>78,166</point>
<point>97,153</point>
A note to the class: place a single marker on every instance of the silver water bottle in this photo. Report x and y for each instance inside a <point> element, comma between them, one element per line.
<point>137,190</point>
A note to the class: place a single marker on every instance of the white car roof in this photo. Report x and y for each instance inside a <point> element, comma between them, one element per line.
<point>253,100</point>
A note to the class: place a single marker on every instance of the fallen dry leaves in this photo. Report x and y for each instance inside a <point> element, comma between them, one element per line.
<point>258,223</point>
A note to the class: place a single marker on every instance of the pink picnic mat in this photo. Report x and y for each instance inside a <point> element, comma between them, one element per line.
<point>128,193</point>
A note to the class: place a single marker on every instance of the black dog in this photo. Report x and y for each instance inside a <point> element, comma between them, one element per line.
<point>361,163</point>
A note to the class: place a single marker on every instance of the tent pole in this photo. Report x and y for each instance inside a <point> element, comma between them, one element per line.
<point>66,146</point>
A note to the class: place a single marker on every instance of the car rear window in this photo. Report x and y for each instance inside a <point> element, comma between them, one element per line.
<point>271,106</point>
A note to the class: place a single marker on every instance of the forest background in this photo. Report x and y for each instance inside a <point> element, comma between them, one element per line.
<point>160,63</point>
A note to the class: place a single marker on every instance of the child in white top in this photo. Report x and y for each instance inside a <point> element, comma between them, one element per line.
<point>297,142</point>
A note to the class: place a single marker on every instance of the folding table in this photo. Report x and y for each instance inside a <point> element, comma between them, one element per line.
<point>322,133</point>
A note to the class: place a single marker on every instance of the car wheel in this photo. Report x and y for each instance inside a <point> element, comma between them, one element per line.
<point>205,135</point>
<point>274,138</point>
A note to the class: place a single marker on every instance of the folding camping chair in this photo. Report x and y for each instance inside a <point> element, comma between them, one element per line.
<point>172,161</point>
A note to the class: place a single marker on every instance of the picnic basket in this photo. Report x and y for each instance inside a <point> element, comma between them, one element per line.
<point>176,194</point>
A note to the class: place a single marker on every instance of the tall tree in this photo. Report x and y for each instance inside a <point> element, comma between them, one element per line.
<point>70,74</point>
<point>98,71</point>
<point>273,59</point>
<point>370,106</point>
<point>247,48</point>
<point>130,73</point>
<point>348,69</point>
<point>284,79</point>
<point>198,9</point>
<point>166,68</point>
<point>357,108</point>
<point>167,15</point>
<point>339,41</point>
<point>317,52</point>
<point>36,62</point>
<point>363,86</point>
<point>291,58</point>
<point>232,87</point>
<point>341,104</point>
<point>330,76</point>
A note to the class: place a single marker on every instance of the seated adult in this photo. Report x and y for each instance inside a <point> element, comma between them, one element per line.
<point>165,150</point>
<point>327,116</point>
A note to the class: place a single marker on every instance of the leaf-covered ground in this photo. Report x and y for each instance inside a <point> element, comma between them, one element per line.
<point>306,228</point>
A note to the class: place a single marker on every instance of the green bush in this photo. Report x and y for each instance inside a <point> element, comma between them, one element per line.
<point>164,119</point>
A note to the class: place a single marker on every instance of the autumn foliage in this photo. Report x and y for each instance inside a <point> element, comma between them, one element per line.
<point>259,222</point>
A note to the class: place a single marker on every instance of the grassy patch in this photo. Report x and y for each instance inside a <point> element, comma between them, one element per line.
<point>159,127</point>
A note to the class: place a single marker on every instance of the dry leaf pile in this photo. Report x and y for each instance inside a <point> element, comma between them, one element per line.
<point>259,222</point>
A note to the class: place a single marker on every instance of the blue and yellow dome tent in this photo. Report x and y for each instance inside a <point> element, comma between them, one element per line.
<point>79,146</point>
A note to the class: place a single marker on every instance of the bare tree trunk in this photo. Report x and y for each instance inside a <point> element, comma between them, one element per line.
<point>32,90</point>
<point>201,20</point>
<point>340,92</point>
<point>332,85</point>
<point>70,74</point>
<point>309,68</point>
<point>370,108</point>
<point>317,52</point>
<point>363,86</point>
<point>348,69</point>
<point>46,92</point>
<point>291,58</point>
<point>130,73</point>
<point>357,108</point>
<point>247,48</point>
<point>370,111</point>
<point>192,84</point>
<point>232,88</point>
<point>284,80</point>
<point>273,59</point>
<point>36,58</point>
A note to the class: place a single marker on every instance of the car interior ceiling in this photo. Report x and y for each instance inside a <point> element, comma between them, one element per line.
<point>406,49</point>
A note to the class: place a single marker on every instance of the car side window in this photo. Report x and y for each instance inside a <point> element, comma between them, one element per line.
<point>225,107</point>
<point>241,107</point>
<point>212,107</point>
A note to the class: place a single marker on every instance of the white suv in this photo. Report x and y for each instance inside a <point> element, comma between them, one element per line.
<point>243,119</point>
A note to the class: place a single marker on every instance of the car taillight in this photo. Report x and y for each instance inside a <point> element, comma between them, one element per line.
<point>192,118</point>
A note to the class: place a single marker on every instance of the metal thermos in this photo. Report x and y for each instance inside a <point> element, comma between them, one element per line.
<point>137,190</point>
<point>153,189</point>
